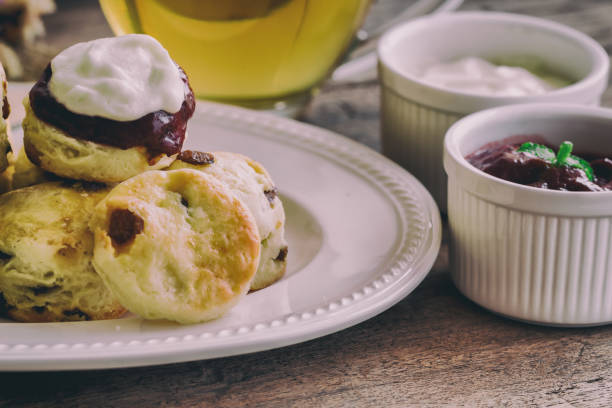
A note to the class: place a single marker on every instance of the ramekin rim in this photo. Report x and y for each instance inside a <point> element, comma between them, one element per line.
<point>600,69</point>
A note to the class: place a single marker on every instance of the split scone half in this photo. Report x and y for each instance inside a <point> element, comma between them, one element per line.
<point>253,185</point>
<point>46,249</point>
<point>176,245</point>
<point>107,110</point>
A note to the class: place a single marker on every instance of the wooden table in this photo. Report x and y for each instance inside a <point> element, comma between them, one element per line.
<point>433,348</point>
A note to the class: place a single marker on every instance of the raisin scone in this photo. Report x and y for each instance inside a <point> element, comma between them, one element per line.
<point>253,185</point>
<point>176,245</point>
<point>46,249</point>
<point>108,109</point>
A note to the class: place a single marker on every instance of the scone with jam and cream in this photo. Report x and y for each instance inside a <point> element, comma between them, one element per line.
<point>107,110</point>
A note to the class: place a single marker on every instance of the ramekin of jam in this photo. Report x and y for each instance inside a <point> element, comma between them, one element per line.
<point>536,164</point>
<point>530,211</point>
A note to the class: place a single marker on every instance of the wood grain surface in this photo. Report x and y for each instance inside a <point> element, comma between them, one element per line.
<point>433,348</point>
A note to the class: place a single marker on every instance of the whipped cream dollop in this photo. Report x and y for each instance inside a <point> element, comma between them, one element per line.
<point>121,78</point>
<point>478,76</point>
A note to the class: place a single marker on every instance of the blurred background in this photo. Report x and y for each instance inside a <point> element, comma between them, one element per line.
<point>33,31</point>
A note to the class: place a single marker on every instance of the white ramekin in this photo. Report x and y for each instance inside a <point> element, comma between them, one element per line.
<point>415,115</point>
<point>532,254</point>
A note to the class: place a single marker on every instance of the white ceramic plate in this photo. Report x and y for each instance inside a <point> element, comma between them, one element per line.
<point>362,232</point>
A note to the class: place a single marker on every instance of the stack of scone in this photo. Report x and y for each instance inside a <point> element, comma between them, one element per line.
<point>107,213</point>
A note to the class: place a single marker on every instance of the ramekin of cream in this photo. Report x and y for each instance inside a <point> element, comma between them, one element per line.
<point>435,70</point>
<point>529,211</point>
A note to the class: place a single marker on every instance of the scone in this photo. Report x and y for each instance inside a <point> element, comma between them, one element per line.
<point>175,245</point>
<point>21,172</point>
<point>25,173</point>
<point>46,249</point>
<point>108,109</point>
<point>5,146</point>
<point>253,185</point>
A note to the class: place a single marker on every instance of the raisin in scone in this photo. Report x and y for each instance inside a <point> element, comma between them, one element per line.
<point>46,249</point>
<point>108,109</point>
<point>253,185</point>
<point>176,245</point>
